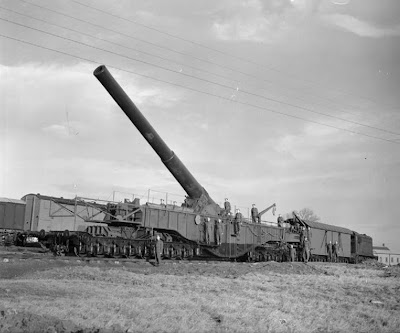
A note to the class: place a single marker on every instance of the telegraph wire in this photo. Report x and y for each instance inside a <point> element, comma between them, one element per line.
<point>142,40</point>
<point>228,54</point>
<point>124,46</point>
<point>204,80</point>
<point>199,91</point>
<point>178,52</point>
<point>181,53</point>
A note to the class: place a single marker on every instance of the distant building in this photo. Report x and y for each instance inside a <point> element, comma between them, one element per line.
<point>385,256</point>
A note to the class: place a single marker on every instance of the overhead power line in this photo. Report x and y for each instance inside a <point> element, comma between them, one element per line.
<point>270,82</point>
<point>198,91</point>
<point>201,79</point>
<point>310,82</point>
<point>255,77</point>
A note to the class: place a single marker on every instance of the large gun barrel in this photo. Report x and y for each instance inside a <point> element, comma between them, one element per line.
<point>170,160</point>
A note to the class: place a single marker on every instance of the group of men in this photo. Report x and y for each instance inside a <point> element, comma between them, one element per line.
<point>208,230</point>
<point>332,250</point>
<point>304,247</point>
<point>237,221</point>
<point>255,216</point>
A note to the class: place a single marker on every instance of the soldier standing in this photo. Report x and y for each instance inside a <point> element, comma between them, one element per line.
<point>335,251</point>
<point>207,227</point>
<point>158,250</point>
<point>217,231</point>
<point>302,236</point>
<point>280,221</point>
<point>254,214</point>
<point>291,252</point>
<point>237,222</point>
<point>306,250</point>
<point>329,250</point>
<point>227,206</point>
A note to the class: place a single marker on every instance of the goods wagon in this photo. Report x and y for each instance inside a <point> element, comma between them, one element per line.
<point>322,234</point>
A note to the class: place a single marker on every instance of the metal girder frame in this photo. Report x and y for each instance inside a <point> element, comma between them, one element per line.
<point>53,214</point>
<point>75,212</point>
<point>105,211</point>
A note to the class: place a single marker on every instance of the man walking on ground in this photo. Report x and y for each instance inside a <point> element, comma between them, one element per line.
<point>158,250</point>
<point>329,251</point>
<point>306,250</point>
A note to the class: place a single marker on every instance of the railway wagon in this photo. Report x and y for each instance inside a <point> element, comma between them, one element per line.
<point>58,214</point>
<point>321,234</point>
<point>12,213</point>
<point>361,247</point>
<point>183,228</point>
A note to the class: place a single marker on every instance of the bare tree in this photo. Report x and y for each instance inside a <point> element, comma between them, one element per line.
<point>308,215</point>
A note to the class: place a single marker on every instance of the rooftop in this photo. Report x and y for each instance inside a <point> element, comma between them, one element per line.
<point>380,248</point>
<point>8,200</point>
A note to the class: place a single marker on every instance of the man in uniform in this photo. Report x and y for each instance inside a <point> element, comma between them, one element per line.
<point>217,231</point>
<point>329,251</point>
<point>306,250</point>
<point>158,250</point>
<point>207,227</point>
<point>237,222</point>
<point>302,236</point>
<point>254,214</point>
<point>291,252</point>
<point>227,206</point>
<point>280,221</point>
<point>335,251</point>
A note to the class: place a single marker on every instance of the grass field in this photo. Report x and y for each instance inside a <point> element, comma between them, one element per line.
<point>59,296</point>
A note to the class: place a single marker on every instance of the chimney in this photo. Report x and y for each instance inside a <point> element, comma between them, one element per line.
<point>383,244</point>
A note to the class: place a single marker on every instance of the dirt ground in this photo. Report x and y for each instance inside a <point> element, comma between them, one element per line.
<point>25,262</point>
<point>22,264</point>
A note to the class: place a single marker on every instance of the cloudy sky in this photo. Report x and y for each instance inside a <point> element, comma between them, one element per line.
<point>293,102</point>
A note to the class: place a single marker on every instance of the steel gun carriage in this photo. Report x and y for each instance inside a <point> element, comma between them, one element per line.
<point>200,222</point>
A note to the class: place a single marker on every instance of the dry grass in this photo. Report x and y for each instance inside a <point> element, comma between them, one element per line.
<point>342,300</point>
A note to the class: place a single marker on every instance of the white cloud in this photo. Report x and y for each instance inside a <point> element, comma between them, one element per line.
<point>308,143</point>
<point>248,20</point>
<point>359,27</point>
<point>58,130</point>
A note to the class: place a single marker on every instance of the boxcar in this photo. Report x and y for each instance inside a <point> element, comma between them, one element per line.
<point>321,234</point>
<point>12,214</point>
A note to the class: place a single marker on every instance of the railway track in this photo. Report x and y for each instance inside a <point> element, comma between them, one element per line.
<point>13,256</point>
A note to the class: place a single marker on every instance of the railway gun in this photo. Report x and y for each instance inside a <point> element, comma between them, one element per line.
<point>199,228</point>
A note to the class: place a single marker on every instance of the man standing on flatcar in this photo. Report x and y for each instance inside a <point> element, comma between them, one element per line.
<point>207,228</point>
<point>217,231</point>
<point>158,250</point>
<point>329,251</point>
<point>302,236</point>
<point>280,221</point>
<point>227,206</point>
<point>254,214</point>
<point>237,222</point>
